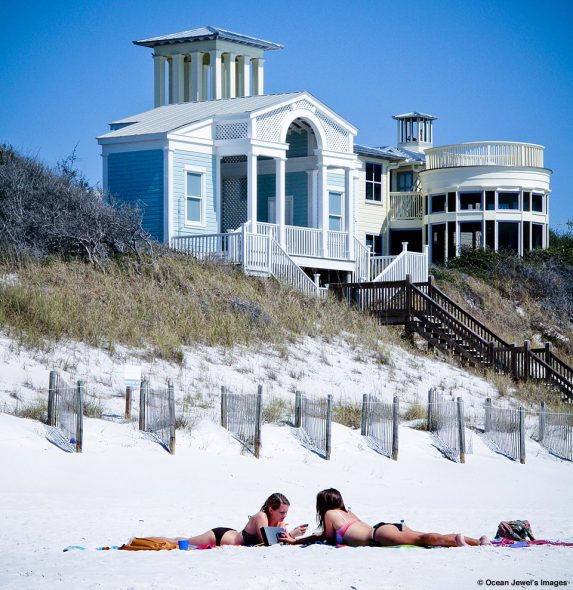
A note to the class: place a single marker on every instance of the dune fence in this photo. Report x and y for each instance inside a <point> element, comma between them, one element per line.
<point>380,423</point>
<point>157,413</point>
<point>446,423</point>
<point>65,413</point>
<point>555,432</point>
<point>504,430</point>
<point>241,414</point>
<point>313,418</point>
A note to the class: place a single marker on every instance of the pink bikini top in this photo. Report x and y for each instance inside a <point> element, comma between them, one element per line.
<point>342,530</point>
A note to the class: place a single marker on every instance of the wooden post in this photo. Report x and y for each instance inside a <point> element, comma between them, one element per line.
<point>328,426</point>
<point>461,430</point>
<point>431,400</point>
<point>142,402</point>
<point>363,420</point>
<point>408,300</point>
<point>52,398</point>
<point>526,368</point>
<point>171,401</point>
<point>491,347</point>
<point>395,425</point>
<point>223,406</point>
<point>128,394</point>
<point>487,419</point>
<point>513,361</point>
<point>298,409</point>
<point>80,417</point>
<point>258,420</point>
<point>547,360</point>
<point>542,416</point>
<point>521,434</point>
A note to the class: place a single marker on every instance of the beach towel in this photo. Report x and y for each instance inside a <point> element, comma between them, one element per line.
<point>148,544</point>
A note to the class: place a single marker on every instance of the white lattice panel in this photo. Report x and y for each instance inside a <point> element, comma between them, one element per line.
<point>231,131</point>
<point>269,124</point>
<point>234,203</point>
<point>336,136</point>
<point>304,104</point>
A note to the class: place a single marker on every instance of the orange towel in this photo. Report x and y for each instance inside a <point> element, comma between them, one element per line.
<point>149,544</point>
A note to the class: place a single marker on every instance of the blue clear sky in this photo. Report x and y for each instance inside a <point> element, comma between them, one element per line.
<point>489,70</point>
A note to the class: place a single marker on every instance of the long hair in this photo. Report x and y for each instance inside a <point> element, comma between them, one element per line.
<point>329,499</point>
<point>274,501</point>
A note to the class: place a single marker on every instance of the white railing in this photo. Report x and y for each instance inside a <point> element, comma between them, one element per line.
<point>406,205</point>
<point>337,245</point>
<point>256,253</point>
<point>485,153</point>
<point>406,263</point>
<point>215,247</point>
<point>303,241</point>
<point>379,263</point>
<point>267,229</point>
<point>361,262</point>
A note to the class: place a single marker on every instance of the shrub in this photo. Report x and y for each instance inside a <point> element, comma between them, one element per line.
<point>349,415</point>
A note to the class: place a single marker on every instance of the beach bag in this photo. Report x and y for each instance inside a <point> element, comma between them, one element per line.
<point>515,530</point>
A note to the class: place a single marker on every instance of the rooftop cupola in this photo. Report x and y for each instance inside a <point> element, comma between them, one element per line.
<point>415,132</point>
<point>207,64</point>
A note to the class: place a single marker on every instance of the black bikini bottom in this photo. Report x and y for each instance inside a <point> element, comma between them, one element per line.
<point>219,532</point>
<point>398,525</point>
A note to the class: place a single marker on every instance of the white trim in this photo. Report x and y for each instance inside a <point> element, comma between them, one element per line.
<point>343,221</point>
<point>203,173</point>
<point>168,194</point>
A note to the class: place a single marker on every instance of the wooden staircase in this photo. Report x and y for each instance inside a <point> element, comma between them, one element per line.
<point>423,309</point>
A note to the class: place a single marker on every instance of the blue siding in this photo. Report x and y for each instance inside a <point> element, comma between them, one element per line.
<point>297,186</point>
<point>207,163</point>
<point>298,144</point>
<point>266,187</point>
<point>137,178</point>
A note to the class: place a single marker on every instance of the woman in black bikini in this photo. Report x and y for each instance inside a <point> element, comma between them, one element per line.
<point>272,513</point>
<point>342,527</point>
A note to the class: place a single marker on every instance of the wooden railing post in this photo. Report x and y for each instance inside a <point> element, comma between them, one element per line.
<point>80,416</point>
<point>52,398</point>
<point>487,418</point>
<point>395,427</point>
<point>128,394</point>
<point>526,359</point>
<point>298,409</point>
<point>461,430</point>
<point>171,401</point>
<point>521,434</point>
<point>513,360</point>
<point>408,299</point>
<point>491,354</point>
<point>547,356</point>
<point>364,414</point>
<point>328,426</point>
<point>258,420</point>
<point>542,417</point>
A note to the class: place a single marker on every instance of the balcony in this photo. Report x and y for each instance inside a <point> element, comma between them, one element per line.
<point>485,153</point>
<point>406,205</point>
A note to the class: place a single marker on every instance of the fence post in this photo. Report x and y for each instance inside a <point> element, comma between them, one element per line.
<point>491,347</point>
<point>521,434</point>
<point>431,400</point>
<point>128,394</point>
<point>526,371</point>
<point>223,406</point>
<point>328,426</point>
<point>547,360</point>
<point>258,421</point>
<point>542,422</point>
<point>461,430</point>
<point>298,409</point>
<point>52,398</point>
<point>487,419</point>
<point>142,403</point>
<point>364,413</point>
<point>408,299</point>
<point>171,401</point>
<point>513,361</point>
<point>80,417</point>
<point>395,425</point>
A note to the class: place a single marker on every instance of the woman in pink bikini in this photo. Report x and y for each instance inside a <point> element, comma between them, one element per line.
<point>341,527</point>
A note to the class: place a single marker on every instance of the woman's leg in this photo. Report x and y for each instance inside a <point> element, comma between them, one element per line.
<point>390,534</point>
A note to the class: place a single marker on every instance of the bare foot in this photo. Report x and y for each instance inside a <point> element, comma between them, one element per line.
<point>483,540</point>
<point>460,540</point>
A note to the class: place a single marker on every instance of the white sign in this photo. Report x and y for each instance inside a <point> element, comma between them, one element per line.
<point>132,375</point>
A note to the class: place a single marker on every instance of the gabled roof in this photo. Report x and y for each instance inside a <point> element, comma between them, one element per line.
<point>389,153</point>
<point>174,116</point>
<point>414,115</point>
<point>207,33</point>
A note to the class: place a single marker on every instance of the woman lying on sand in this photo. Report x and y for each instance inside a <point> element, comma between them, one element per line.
<point>341,527</point>
<point>272,513</point>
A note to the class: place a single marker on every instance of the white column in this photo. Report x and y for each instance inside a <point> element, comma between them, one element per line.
<point>170,80</point>
<point>159,80</point>
<point>349,210</point>
<point>205,84</point>
<point>322,195</point>
<point>244,73</point>
<point>230,75</point>
<point>196,76</point>
<point>280,198</point>
<point>218,194</point>
<point>252,189</point>
<point>178,77</point>
<point>216,78</point>
<point>186,78</point>
<point>258,76</point>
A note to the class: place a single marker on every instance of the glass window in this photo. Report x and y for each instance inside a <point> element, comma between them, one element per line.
<point>404,181</point>
<point>508,236</point>
<point>536,235</point>
<point>526,200</point>
<point>451,202</point>
<point>373,182</point>
<point>335,211</point>
<point>470,201</point>
<point>194,197</point>
<point>374,242</point>
<point>490,200</point>
<point>438,203</point>
<point>508,200</point>
<point>537,203</point>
